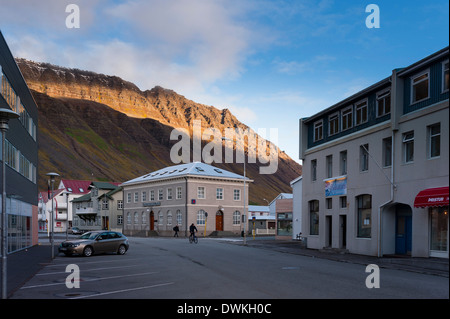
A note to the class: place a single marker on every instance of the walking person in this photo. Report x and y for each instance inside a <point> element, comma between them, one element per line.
<point>176,229</point>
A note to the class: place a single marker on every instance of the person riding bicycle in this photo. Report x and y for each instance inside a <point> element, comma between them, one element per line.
<point>192,229</point>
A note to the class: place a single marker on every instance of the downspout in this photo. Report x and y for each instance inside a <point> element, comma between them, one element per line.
<point>186,208</point>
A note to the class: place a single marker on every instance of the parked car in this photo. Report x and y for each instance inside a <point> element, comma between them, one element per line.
<point>95,242</point>
<point>76,231</point>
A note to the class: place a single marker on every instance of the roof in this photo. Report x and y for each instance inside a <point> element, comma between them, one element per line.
<point>256,208</point>
<point>189,169</point>
<point>282,196</point>
<point>296,180</point>
<point>44,195</point>
<point>75,186</point>
<point>103,185</point>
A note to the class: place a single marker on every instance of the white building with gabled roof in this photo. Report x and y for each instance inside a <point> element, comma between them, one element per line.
<point>209,197</point>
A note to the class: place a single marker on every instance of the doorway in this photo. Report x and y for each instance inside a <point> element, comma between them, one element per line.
<point>329,234</point>
<point>152,221</point>
<point>343,231</point>
<point>403,230</point>
<point>219,221</point>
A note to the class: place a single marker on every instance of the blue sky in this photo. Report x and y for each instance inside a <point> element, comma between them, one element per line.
<point>269,62</point>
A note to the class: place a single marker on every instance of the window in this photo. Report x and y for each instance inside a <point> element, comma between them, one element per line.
<point>160,194</point>
<point>313,170</point>
<point>128,218</point>
<point>347,118</point>
<point>408,147</point>
<point>144,196</point>
<point>364,204</point>
<point>329,202</point>
<point>314,217</point>
<point>152,195</point>
<point>318,130</point>
<point>120,204</point>
<point>361,112</point>
<point>169,194</point>
<point>179,218</point>
<point>439,228</point>
<point>329,161</point>
<point>445,78</point>
<point>201,217</point>
<point>179,194</point>
<point>284,224</point>
<point>387,152</point>
<point>136,218</point>
<point>105,204</point>
<point>169,218</point>
<point>236,217</point>
<point>136,197</point>
<point>364,157</point>
<point>343,201</point>
<point>144,218</point>
<point>119,219</point>
<point>201,192</point>
<point>343,162</point>
<point>219,193</point>
<point>420,87</point>
<point>333,124</point>
<point>129,198</point>
<point>383,103</point>
<point>160,218</point>
<point>434,140</point>
<point>237,194</point>
<point>11,154</point>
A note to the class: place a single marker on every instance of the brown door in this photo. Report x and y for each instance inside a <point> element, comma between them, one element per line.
<point>219,221</point>
<point>152,221</point>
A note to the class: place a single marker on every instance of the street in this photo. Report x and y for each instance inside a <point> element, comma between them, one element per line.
<point>172,268</point>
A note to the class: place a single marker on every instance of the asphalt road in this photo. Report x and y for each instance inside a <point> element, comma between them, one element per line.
<point>172,268</point>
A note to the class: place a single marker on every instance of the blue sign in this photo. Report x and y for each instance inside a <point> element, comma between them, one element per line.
<point>336,186</point>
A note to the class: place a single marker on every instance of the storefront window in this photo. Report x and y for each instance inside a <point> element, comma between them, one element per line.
<point>314,217</point>
<point>364,203</point>
<point>439,228</point>
<point>284,224</point>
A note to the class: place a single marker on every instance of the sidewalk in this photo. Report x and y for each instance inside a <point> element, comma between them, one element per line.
<point>431,266</point>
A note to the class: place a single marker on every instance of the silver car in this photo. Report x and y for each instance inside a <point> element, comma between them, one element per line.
<point>95,242</point>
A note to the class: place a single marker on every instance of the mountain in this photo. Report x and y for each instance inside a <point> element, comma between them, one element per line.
<point>100,127</point>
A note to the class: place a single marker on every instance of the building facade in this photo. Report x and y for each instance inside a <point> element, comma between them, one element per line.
<point>367,158</point>
<point>100,209</point>
<point>21,159</point>
<point>198,193</point>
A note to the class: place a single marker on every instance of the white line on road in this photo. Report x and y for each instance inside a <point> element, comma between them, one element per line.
<point>95,269</point>
<point>92,279</point>
<point>123,290</point>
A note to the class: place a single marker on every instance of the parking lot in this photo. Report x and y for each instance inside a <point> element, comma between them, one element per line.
<point>172,268</point>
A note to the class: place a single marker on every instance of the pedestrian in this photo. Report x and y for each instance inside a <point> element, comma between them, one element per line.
<point>176,229</point>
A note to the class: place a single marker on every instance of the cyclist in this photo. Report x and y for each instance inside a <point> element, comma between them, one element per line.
<point>192,229</point>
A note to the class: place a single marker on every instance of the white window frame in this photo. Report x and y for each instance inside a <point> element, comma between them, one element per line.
<point>169,194</point>
<point>359,107</point>
<point>237,194</point>
<point>333,117</point>
<point>412,78</point>
<point>136,197</point>
<point>160,194</point>
<point>318,125</point>
<point>219,194</point>
<point>382,95</point>
<point>443,89</point>
<point>430,136</point>
<point>406,141</point>
<point>179,192</point>
<point>152,195</point>
<point>344,115</point>
<point>201,192</point>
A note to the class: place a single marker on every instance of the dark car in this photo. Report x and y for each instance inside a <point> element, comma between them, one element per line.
<point>95,242</point>
<point>76,231</point>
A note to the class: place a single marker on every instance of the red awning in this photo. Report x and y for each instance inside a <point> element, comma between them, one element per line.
<point>432,197</point>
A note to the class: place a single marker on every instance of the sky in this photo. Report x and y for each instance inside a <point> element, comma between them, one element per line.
<point>269,62</point>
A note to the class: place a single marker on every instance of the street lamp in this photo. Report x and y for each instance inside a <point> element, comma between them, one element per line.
<point>52,180</point>
<point>5,116</point>
<point>245,215</point>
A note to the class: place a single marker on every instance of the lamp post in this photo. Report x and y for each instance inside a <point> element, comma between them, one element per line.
<point>52,181</point>
<point>245,215</point>
<point>5,116</point>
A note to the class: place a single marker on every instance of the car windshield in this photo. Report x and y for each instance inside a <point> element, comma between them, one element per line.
<point>89,236</point>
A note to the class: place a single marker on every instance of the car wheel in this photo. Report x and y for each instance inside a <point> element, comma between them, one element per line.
<point>122,250</point>
<point>87,252</point>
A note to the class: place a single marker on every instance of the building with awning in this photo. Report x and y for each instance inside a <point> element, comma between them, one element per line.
<point>375,166</point>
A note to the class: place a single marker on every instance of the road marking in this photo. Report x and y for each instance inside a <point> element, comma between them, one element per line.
<point>123,290</point>
<point>88,280</point>
<point>84,270</point>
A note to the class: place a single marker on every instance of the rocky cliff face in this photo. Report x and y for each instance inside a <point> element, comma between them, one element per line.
<point>93,126</point>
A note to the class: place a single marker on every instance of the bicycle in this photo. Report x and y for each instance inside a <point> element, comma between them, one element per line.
<point>193,238</point>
